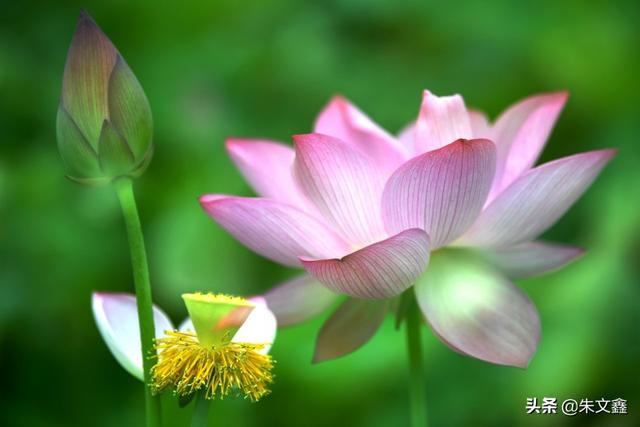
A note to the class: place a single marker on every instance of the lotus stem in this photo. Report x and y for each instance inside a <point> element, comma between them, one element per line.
<point>124,189</point>
<point>200,415</point>
<point>416,365</point>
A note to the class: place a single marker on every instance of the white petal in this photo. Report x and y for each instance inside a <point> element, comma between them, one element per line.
<point>260,327</point>
<point>477,312</point>
<point>187,326</point>
<point>117,318</point>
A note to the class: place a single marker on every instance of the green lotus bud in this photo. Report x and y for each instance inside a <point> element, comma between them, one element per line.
<point>104,124</point>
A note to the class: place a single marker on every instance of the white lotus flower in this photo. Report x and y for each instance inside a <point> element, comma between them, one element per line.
<point>223,336</point>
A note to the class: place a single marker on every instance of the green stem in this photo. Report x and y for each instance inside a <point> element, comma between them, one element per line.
<point>124,188</point>
<point>200,415</point>
<point>416,366</point>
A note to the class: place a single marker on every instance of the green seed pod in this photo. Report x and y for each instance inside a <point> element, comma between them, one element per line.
<point>104,125</point>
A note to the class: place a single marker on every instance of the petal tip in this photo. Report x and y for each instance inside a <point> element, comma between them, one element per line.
<point>235,148</point>
<point>599,157</point>
<point>578,252</point>
<point>426,93</point>
<point>320,356</point>
<point>236,145</point>
<point>303,138</point>
<point>562,95</point>
<point>608,153</point>
<point>207,200</point>
<point>337,99</point>
<point>85,17</point>
<point>230,143</point>
<point>558,97</point>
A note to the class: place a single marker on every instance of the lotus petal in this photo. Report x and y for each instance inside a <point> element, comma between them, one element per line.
<point>350,327</point>
<point>520,134</point>
<point>476,311</point>
<point>299,299</point>
<point>275,230</point>
<point>532,258</point>
<point>536,200</point>
<point>90,60</point>
<point>116,315</point>
<point>442,120</point>
<point>441,191</point>
<point>129,109</point>
<point>345,186</point>
<point>343,120</point>
<point>268,168</point>
<point>381,270</point>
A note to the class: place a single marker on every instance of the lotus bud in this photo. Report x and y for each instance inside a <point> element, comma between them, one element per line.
<point>104,124</point>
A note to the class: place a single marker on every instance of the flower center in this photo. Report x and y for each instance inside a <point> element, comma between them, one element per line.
<point>188,366</point>
<point>216,317</point>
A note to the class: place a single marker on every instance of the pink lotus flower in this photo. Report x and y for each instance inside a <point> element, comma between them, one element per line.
<point>362,210</point>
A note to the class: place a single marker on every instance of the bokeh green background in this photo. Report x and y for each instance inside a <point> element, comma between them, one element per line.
<point>264,69</point>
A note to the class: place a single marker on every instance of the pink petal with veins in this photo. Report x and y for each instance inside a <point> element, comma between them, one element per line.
<point>536,200</point>
<point>350,327</point>
<point>273,229</point>
<point>268,168</point>
<point>441,191</point>
<point>343,120</point>
<point>442,120</point>
<point>381,270</point>
<point>344,185</point>
<point>520,134</point>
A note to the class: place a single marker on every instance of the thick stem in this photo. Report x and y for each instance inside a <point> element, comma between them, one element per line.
<point>124,189</point>
<point>416,365</point>
<point>200,415</point>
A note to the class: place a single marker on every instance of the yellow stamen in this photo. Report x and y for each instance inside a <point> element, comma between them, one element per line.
<point>187,366</point>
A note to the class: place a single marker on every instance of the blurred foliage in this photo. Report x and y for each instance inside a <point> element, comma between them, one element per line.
<point>264,69</point>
